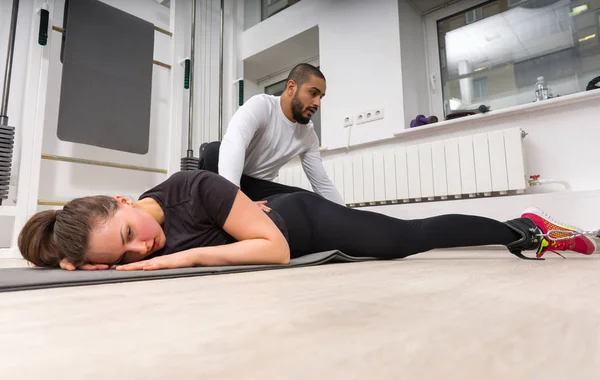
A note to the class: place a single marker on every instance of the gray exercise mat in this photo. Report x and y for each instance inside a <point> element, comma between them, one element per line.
<point>106,88</point>
<point>15,279</point>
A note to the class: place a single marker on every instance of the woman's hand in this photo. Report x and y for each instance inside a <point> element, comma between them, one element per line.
<point>176,260</point>
<point>262,206</point>
<point>67,265</point>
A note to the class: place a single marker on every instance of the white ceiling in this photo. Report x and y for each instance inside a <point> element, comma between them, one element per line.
<point>512,36</point>
<point>286,54</point>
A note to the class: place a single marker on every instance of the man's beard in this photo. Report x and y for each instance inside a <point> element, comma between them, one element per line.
<point>298,110</point>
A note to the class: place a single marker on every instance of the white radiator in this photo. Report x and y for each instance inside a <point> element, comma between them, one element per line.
<point>480,164</point>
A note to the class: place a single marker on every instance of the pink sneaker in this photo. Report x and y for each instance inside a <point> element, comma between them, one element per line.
<point>558,236</point>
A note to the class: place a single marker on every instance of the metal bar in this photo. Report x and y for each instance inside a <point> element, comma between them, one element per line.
<point>41,202</point>
<point>156,28</point>
<point>190,146</point>
<point>102,163</point>
<point>9,62</point>
<point>161,30</point>
<point>221,71</point>
<point>162,64</point>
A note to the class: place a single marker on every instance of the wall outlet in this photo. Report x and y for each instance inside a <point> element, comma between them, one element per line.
<point>348,121</point>
<point>367,116</point>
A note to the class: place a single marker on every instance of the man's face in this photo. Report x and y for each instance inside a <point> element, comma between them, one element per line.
<point>307,99</point>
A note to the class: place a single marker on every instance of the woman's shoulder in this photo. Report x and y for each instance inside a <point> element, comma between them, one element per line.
<point>185,177</point>
<point>193,182</point>
<point>176,188</point>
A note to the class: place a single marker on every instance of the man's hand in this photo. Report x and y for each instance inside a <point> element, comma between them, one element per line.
<point>176,260</point>
<point>261,205</point>
<point>66,265</point>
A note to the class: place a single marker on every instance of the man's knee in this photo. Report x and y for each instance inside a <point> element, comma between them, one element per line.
<point>209,156</point>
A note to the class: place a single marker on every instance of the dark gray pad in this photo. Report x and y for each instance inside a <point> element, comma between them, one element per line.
<point>14,279</point>
<point>106,85</point>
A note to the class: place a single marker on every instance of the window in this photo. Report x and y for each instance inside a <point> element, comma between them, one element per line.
<point>492,52</point>
<point>272,7</point>
<point>256,11</point>
<point>480,88</point>
<point>276,89</point>
<point>473,15</point>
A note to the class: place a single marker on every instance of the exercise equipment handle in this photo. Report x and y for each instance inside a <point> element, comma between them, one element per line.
<point>43,33</point>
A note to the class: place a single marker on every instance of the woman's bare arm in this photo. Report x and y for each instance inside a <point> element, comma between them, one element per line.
<point>259,241</point>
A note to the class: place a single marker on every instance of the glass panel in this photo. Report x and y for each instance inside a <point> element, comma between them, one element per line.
<point>276,89</point>
<point>256,11</point>
<point>272,7</point>
<point>494,53</point>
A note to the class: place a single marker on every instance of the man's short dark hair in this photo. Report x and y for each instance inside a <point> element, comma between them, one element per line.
<point>303,73</point>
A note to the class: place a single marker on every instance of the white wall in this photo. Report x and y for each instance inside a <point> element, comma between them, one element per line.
<point>250,89</point>
<point>359,45</point>
<point>414,70</point>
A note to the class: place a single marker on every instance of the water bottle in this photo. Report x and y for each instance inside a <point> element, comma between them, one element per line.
<point>542,90</point>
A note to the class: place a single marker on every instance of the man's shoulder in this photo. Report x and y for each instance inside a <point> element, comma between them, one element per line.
<point>261,100</point>
<point>260,106</point>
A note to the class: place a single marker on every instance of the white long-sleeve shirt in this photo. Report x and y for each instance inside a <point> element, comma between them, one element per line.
<point>260,140</point>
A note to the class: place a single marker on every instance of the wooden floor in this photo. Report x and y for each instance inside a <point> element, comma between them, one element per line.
<point>440,315</point>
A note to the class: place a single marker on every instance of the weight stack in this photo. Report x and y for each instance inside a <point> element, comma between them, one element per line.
<point>190,162</point>
<point>7,142</point>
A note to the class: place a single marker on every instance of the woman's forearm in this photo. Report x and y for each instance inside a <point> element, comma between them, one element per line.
<point>252,251</point>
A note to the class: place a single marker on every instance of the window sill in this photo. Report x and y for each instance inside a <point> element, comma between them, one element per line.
<point>469,120</point>
<point>506,112</point>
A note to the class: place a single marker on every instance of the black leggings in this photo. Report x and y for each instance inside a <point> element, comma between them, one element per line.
<point>316,224</point>
<point>256,189</point>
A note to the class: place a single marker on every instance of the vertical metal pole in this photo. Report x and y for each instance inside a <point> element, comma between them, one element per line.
<point>221,71</point>
<point>9,62</point>
<point>190,151</point>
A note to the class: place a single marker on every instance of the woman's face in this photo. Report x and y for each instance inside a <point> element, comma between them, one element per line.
<point>129,236</point>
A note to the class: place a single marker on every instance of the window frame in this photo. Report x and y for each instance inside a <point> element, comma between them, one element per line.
<point>434,69</point>
<point>264,8</point>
